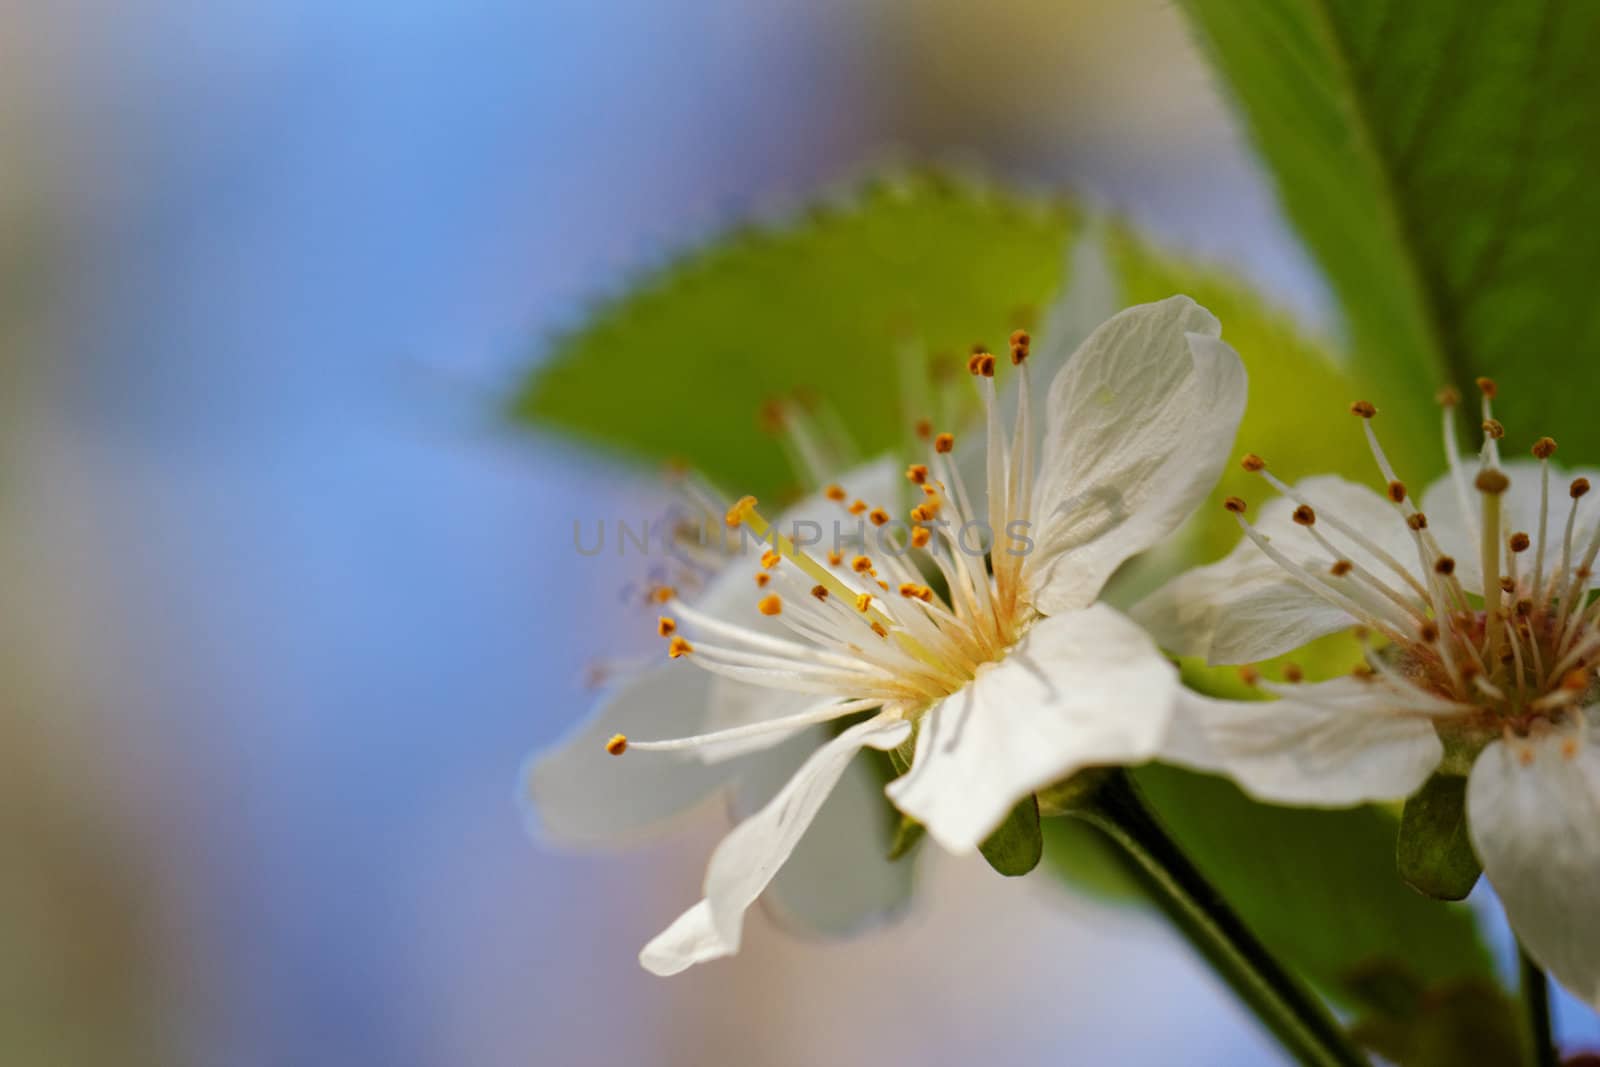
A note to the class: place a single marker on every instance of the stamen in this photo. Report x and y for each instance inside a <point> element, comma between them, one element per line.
<point>1543,449</point>
<point>678,647</point>
<point>617,745</point>
<point>944,443</point>
<point>836,493</point>
<point>1397,492</point>
<point>921,536</point>
<point>918,473</point>
<point>861,565</point>
<point>762,579</point>
<point>820,592</point>
<point>771,604</point>
<point>1363,409</point>
<point>863,602</point>
<point>878,517</point>
<point>1235,504</point>
<point>1292,673</point>
<point>1494,429</point>
<point>1252,462</point>
<point>740,511</point>
<point>924,429</point>
<point>1491,484</point>
<point>770,559</point>
<point>666,626</point>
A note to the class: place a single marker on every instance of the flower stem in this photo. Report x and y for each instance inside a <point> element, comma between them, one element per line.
<point>1536,999</point>
<point>1300,1021</point>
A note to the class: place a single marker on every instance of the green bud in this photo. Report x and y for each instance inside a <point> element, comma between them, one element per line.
<point>1433,852</point>
<point>1018,845</point>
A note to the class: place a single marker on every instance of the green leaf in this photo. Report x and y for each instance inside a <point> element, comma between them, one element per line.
<point>1017,846</point>
<point>1437,157</point>
<point>1433,852</point>
<point>1318,887</point>
<point>680,366</point>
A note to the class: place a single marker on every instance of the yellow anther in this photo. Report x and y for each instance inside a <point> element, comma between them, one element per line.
<point>1417,521</point>
<point>678,647</point>
<point>1293,673</point>
<point>1444,565</point>
<point>770,559</point>
<point>1520,541</point>
<point>878,516</point>
<point>736,514</point>
<point>835,557</point>
<point>945,442</point>
<point>666,626</point>
<point>1397,492</point>
<point>771,604</point>
<point>1235,504</point>
<point>1428,631</point>
<point>820,592</point>
<point>863,602</point>
<point>663,594</point>
<point>1341,567</point>
<point>878,629</point>
<point>1494,429</point>
<point>858,507</point>
<point>835,493</point>
<point>618,744</point>
<point>1487,387</point>
<point>1448,396</point>
<point>1579,487</point>
<point>1252,462</point>
<point>1249,675</point>
<point>918,473</point>
<point>1544,448</point>
<point>861,564</point>
<point>1305,516</point>
<point>1363,408</point>
<point>924,429</point>
<point>921,536</point>
<point>762,578</point>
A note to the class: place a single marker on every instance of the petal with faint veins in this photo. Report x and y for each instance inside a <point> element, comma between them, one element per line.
<point>1080,689</point>
<point>1533,807</point>
<point>1141,420</point>
<point>749,857</point>
<point>576,791</point>
<point>839,881</point>
<point>1245,607</point>
<point>1328,744</point>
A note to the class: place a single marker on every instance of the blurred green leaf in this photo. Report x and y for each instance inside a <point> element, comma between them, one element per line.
<point>681,365</point>
<point>1437,157</point>
<point>1017,846</point>
<point>1433,852</point>
<point>1318,887</point>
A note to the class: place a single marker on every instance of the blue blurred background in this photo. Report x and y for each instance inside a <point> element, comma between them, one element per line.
<point>285,607</point>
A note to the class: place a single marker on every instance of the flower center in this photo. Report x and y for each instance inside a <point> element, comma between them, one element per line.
<point>1519,655</point>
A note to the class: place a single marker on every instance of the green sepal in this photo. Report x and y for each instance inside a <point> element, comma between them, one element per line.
<point>906,837</point>
<point>1433,851</point>
<point>1066,796</point>
<point>1018,845</point>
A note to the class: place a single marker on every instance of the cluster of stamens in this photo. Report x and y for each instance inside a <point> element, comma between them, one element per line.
<point>1518,658</point>
<point>864,624</point>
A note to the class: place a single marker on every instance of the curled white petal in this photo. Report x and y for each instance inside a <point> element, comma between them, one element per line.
<point>1533,806</point>
<point>1082,688</point>
<point>1141,420</point>
<point>749,857</point>
<point>1329,744</point>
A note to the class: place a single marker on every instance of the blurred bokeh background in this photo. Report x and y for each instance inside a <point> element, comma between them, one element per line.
<point>285,606</point>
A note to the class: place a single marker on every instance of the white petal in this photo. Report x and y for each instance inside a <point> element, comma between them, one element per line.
<point>839,880</point>
<point>1245,607</point>
<point>1520,506</point>
<point>1534,811</point>
<point>1331,744</point>
<point>578,792</point>
<point>748,858</point>
<point>1140,422</point>
<point>1082,688</point>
